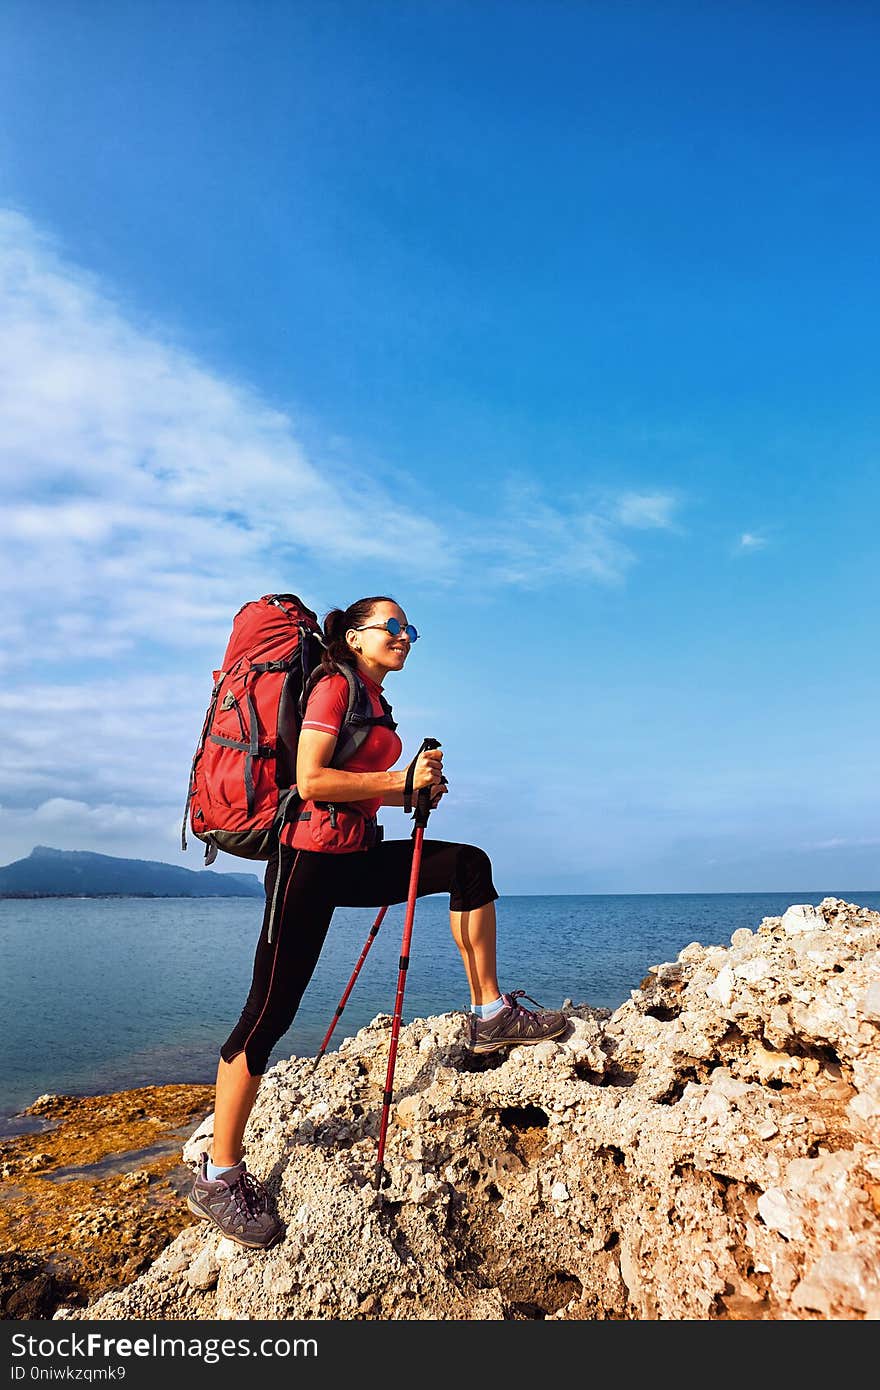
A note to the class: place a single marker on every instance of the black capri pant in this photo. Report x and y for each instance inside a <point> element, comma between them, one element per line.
<point>312,885</point>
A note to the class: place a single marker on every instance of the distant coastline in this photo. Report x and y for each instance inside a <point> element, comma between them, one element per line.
<point>28,897</point>
<point>62,873</point>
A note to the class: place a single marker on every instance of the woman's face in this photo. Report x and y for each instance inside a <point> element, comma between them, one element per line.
<point>379,649</point>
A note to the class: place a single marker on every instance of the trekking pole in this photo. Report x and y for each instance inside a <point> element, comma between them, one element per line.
<point>350,986</point>
<point>422,812</point>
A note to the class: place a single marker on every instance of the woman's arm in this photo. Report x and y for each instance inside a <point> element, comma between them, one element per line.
<point>316,780</point>
<point>393,799</point>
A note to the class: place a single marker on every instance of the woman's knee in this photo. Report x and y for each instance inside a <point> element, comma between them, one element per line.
<point>251,1061</point>
<point>473,885</point>
<point>256,1039</point>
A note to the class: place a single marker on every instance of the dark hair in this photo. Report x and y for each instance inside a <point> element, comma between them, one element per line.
<point>336,625</point>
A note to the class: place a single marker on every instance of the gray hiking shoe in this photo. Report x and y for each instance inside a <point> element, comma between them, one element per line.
<point>238,1204</point>
<point>514,1026</point>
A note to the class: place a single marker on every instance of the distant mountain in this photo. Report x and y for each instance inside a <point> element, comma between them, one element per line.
<point>74,873</point>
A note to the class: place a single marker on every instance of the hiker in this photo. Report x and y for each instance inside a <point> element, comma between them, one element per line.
<point>322,865</point>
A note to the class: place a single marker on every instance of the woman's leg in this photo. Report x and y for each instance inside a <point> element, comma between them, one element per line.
<point>465,872</point>
<point>382,875</point>
<point>282,970</point>
<point>234,1097</point>
<point>474,934</point>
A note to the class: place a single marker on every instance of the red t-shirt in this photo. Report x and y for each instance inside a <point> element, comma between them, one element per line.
<point>380,749</point>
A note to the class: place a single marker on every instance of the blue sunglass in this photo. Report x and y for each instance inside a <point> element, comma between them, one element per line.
<point>393,627</point>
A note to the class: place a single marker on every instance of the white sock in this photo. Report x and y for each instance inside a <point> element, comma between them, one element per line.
<point>214,1172</point>
<point>488,1010</point>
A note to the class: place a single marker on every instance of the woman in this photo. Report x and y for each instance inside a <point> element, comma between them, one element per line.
<point>332,856</point>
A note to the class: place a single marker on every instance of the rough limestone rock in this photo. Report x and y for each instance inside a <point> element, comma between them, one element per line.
<point>709,1150</point>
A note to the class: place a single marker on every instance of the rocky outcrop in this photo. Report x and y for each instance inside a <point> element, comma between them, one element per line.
<point>710,1150</point>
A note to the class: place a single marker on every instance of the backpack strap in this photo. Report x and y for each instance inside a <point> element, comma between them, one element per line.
<point>358,719</point>
<point>389,717</point>
<point>290,707</point>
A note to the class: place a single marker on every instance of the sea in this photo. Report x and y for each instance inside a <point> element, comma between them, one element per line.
<point>106,994</point>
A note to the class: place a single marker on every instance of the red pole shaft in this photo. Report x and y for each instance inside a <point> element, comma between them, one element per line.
<point>398,1002</point>
<point>344,1000</point>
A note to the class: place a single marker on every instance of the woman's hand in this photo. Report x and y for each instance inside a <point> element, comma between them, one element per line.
<point>428,769</point>
<point>437,786</point>
<point>437,792</point>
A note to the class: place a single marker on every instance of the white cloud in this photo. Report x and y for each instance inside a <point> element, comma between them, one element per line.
<point>646,510</point>
<point>139,483</point>
<point>528,547</point>
<point>862,842</point>
<point>61,812</point>
<point>101,765</point>
<point>105,828</point>
<point>531,541</point>
<point>752,540</point>
<point>121,741</point>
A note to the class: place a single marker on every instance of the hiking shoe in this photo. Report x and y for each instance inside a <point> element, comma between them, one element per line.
<point>513,1025</point>
<point>238,1204</point>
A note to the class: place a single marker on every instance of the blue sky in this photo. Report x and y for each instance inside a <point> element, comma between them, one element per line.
<point>558,322</point>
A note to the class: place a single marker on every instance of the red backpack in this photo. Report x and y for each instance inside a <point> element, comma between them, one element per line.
<point>242,780</point>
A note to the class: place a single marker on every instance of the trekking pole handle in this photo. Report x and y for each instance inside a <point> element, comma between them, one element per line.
<point>423,799</point>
